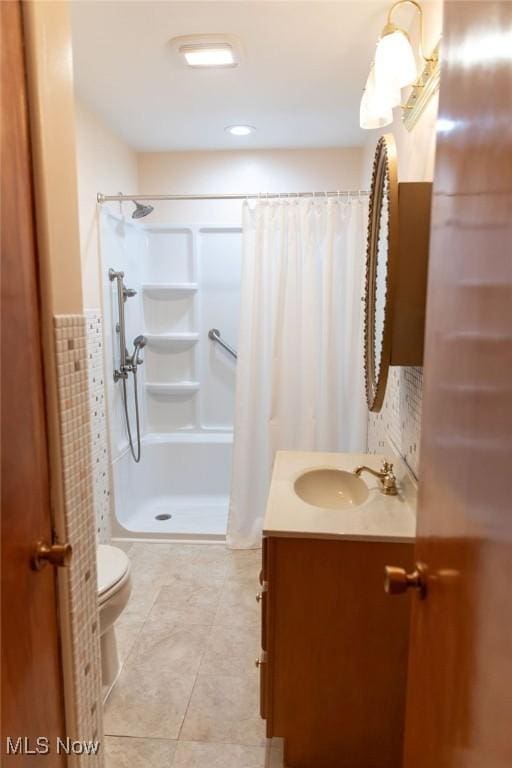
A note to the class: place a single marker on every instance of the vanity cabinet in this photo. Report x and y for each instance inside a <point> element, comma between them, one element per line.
<point>334,651</point>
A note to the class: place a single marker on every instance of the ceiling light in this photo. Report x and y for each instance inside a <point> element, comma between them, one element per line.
<point>240,130</point>
<point>213,55</point>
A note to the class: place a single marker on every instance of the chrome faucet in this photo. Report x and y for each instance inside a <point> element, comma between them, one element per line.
<point>386,476</point>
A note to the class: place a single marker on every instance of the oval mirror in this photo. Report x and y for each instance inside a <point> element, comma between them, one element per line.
<point>381,255</point>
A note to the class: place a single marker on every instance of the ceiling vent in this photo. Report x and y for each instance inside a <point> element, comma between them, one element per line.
<point>207,51</point>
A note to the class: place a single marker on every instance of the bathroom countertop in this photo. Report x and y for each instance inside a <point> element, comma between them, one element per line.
<point>379,518</point>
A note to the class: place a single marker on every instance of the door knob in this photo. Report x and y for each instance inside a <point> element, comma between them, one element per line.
<point>55,554</point>
<point>398,581</point>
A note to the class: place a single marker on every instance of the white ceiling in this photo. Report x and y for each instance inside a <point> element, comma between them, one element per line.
<point>303,68</point>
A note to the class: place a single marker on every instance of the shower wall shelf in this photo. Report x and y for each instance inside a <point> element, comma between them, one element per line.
<point>178,388</point>
<point>172,339</point>
<point>168,290</point>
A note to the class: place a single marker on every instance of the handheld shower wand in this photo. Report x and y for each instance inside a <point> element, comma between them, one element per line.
<point>139,343</point>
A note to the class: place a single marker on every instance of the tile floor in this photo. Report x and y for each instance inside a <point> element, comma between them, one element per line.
<point>187,695</point>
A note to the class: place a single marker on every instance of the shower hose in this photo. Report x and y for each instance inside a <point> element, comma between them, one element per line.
<point>135,453</point>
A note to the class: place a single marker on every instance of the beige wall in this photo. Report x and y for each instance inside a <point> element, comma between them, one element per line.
<point>50,80</point>
<point>400,417</point>
<point>105,164</point>
<point>241,171</point>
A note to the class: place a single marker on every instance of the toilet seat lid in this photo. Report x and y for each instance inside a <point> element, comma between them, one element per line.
<point>112,565</point>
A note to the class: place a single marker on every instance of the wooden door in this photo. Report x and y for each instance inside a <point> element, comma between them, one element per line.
<point>459,711</point>
<point>31,684</point>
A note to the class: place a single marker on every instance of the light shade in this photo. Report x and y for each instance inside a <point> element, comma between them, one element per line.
<point>375,111</point>
<point>395,65</point>
<point>209,55</point>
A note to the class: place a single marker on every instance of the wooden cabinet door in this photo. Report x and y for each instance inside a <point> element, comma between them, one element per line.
<point>337,652</point>
<point>459,706</point>
<point>31,682</point>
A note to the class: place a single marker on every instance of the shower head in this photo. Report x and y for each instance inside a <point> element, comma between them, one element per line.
<point>141,210</point>
<point>139,342</point>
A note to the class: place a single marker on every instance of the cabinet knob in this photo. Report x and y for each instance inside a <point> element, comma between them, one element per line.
<point>398,581</point>
<point>259,662</point>
<point>55,554</point>
<point>259,597</point>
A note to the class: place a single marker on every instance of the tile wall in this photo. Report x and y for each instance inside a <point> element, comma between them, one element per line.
<point>400,418</point>
<point>72,377</point>
<point>99,430</point>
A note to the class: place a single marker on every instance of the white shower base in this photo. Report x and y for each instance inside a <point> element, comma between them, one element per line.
<point>184,475</point>
<point>189,515</point>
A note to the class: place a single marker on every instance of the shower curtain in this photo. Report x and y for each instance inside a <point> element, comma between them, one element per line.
<point>300,379</point>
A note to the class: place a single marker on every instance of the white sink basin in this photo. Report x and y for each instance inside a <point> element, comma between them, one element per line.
<point>316,494</point>
<point>331,488</point>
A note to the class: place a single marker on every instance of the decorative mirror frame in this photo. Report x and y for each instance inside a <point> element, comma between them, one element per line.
<point>384,170</point>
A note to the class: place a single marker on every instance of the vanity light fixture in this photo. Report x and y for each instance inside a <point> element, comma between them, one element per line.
<point>394,68</point>
<point>374,111</point>
<point>240,130</point>
<point>395,62</point>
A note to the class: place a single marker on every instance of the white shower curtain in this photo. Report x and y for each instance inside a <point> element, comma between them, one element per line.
<point>300,380</point>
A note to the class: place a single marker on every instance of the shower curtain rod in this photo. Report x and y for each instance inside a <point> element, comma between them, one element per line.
<point>250,196</point>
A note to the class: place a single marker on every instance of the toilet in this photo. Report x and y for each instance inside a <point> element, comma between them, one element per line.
<point>114,587</point>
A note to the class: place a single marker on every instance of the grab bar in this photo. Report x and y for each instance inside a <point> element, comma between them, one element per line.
<point>214,335</point>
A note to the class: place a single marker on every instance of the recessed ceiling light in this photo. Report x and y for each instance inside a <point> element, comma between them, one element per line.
<point>240,130</point>
<point>213,55</point>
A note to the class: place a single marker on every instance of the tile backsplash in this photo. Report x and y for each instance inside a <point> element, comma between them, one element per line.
<point>399,421</point>
<point>99,429</point>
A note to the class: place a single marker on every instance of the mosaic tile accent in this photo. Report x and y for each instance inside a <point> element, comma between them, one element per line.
<point>71,363</point>
<point>400,417</point>
<point>99,432</point>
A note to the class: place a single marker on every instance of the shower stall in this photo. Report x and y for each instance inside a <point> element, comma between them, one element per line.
<point>181,318</point>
